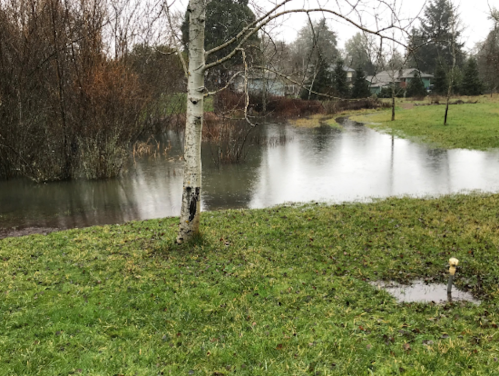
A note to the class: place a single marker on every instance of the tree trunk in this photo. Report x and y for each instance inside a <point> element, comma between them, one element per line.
<point>453,72</point>
<point>191,194</point>
<point>393,103</point>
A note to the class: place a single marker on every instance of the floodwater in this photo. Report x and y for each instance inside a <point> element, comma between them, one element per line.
<point>419,291</point>
<point>321,164</point>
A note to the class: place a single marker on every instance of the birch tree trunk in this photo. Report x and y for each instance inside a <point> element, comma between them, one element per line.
<point>451,83</point>
<point>191,194</point>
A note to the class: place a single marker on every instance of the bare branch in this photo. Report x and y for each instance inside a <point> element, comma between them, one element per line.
<point>237,74</point>
<point>175,39</point>
<point>290,79</point>
<point>252,31</point>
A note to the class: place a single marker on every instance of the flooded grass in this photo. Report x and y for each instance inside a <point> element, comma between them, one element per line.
<point>470,126</point>
<point>280,291</point>
<point>315,121</point>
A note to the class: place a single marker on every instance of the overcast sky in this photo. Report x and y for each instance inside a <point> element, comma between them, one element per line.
<point>473,15</point>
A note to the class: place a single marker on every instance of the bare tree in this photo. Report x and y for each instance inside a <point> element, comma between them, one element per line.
<point>196,91</point>
<point>452,77</point>
<point>71,104</point>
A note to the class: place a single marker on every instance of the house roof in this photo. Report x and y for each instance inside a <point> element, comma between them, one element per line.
<point>409,73</point>
<point>386,77</point>
<point>345,68</point>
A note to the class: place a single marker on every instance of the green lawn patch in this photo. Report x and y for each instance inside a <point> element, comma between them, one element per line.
<point>280,291</point>
<point>177,104</point>
<point>470,126</point>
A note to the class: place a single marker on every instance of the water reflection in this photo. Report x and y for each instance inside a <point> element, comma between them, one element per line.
<point>419,291</point>
<point>319,164</point>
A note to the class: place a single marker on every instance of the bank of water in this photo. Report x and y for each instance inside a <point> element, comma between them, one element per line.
<point>319,164</point>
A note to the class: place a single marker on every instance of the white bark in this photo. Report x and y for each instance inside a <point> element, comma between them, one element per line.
<point>191,195</point>
<point>190,212</point>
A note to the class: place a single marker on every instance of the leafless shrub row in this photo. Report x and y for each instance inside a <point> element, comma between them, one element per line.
<point>67,108</point>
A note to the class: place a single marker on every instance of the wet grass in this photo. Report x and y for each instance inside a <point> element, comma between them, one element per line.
<point>281,291</point>
<point>320,120</point>
<point>314,121</point>
<point>470,126</point>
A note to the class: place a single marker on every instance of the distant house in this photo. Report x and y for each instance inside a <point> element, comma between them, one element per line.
<point>257,82</point>
<point>350,74</point>
<point>401,78</point>
<point>349,71</point>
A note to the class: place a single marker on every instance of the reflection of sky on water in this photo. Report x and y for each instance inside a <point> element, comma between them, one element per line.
<point>360,163</point>
<point>319,164</point>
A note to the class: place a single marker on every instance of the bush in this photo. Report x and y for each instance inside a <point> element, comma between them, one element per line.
<point>228,101</point>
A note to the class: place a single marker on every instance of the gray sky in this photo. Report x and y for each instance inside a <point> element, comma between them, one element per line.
<point>473,15</point>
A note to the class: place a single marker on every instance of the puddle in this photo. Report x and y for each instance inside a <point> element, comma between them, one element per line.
<point>419,291</point>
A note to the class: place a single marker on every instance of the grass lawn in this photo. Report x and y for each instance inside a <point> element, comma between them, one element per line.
<point>470,126</point>
<point>281,291</point>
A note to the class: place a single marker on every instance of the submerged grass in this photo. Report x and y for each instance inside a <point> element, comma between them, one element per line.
<point>280,291</point>
<point>470,126</point>
<point>317,120</point>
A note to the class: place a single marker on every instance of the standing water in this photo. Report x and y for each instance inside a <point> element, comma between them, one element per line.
<point>321,164</point>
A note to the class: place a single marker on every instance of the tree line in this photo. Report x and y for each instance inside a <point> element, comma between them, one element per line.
<point>81,81</point>
<point>70,106</point>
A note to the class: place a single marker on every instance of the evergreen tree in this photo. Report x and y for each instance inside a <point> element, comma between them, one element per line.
<point>416,87</point>
<point>360,85</point>
<point>320,82</point>
<point>471,83</point>
<point>340,83</point>
<point>314,45</point>
<point>434,39</point>
<point>224,20</point>
<point>440,83</point>
<point>357,50</point>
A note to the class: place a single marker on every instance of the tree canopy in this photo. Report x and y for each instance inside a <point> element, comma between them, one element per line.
<point>357,51</point>
<point>315,46</point>
<point>360,85</point>
<point>471,83</point>
<point>488,55</point>
<point>340,83</point>
<point>434,39</point>
<point>416,87</point>
<point>224,20</point>
<point>440,81</point>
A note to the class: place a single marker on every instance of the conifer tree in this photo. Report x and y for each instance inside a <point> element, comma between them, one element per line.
<point>340,80</point>
<point>319,82</point>
<point>435,39</point>
<point>360,85</point>
<point>440,83</point>
<point>416,87</point>
<point>471,83</point>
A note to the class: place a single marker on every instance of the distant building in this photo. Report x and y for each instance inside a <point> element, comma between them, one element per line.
<point>350,74</point>
<point>257,82</point>
<point>401,78</point>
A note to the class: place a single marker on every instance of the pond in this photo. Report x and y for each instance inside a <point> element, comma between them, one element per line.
<point>321,164</point>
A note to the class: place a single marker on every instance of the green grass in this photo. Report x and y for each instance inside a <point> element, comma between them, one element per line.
<point>317,120</point>
<point>281,291</point>
<point>177,104</point>
<point>470,126</point>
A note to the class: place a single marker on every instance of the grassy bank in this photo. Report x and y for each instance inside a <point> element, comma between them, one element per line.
<point>470,126</point>
<point>281,291</point>
<point>314,121</point>
<point>318,120</point>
